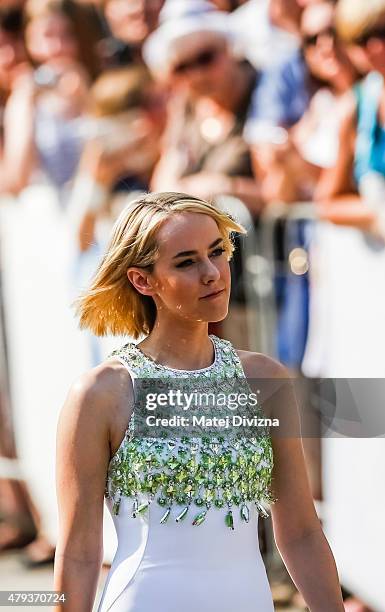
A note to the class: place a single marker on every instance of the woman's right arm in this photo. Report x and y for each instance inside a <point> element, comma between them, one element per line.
<point>82,457</point>
<point>336,198</point>
<point>337,180</point>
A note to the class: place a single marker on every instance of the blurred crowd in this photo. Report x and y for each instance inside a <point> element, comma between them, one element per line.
<point>265,101</point>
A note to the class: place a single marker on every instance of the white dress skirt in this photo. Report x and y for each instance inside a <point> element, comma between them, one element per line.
<point>177,566</point>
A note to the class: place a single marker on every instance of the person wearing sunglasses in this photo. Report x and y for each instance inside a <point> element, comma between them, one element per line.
<point>291,170</point>
<point>287,112</point>
<point>210,94</point>
<point>354,192</point>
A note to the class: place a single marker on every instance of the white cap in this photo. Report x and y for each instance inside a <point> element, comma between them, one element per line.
<point>180,18</point>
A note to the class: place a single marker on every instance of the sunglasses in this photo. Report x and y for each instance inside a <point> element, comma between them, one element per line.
<point>203,59</point>
<point>311,41</point>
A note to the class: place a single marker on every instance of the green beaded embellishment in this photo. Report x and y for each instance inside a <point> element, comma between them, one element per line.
<point>205,471</point>
<point>229,519</point>
<point>200,517</point>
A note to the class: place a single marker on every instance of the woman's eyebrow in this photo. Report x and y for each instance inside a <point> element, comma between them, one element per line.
<point>184,253</point>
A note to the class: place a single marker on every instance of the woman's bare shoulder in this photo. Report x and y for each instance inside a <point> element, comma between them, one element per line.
<point>99,394</point>
<point>259,365</point>
<point>109,378</point>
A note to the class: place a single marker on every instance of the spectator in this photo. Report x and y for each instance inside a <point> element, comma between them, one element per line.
<point>286,87</point>
<point>204,152</point>
<point>56,32</point>
<point>48,102</point>
<point>291,171</point>
<point>16,521</point>
<point>37,99</point>
<point>19,518</point>
<point>128,111</point>
<point>362,137</point>
<point>130,24</point>
<point>13,63</point>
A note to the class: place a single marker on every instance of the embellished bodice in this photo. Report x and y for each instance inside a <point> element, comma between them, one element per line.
<point>188,475</point>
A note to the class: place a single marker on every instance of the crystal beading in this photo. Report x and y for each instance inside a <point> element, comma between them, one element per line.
<point>199,472</point>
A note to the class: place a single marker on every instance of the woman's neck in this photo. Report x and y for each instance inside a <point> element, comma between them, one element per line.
<point>182,348</point>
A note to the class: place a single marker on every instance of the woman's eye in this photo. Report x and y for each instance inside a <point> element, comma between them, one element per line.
<point>184,264</point>
<point>218,252</point>
<point>189,262</point>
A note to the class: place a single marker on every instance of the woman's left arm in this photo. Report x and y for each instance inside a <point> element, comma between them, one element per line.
<point>297,530</point>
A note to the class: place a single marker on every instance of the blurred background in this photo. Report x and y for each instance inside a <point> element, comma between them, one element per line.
<point>272,109</point>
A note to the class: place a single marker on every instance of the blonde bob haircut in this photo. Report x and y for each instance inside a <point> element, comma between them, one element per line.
<point>112,305</point>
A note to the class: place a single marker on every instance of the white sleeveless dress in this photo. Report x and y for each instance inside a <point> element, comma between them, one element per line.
<point>186,511</point>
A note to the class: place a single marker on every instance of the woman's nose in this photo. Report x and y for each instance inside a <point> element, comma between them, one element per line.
<point>209,271</point>
<point>326,43</point>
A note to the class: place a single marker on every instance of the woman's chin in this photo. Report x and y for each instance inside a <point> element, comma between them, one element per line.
<point>214,314</point>
<point>216,318</point>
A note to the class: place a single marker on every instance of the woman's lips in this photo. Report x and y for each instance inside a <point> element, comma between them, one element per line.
<point>212,295</point>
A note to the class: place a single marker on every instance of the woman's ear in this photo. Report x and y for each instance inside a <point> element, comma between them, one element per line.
<point>139,278</point>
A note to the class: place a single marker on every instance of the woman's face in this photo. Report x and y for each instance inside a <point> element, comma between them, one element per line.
<point>324,55</point>
<point>133,20</point>
<point>50,38</point>
<point>192,264</point>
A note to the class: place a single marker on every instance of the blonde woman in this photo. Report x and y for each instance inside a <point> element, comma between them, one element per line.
<point>185,509</point>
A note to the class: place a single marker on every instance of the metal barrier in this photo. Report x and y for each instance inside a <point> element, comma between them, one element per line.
<point>260,264</point>
<point>295,259</point>
<point>258,284</point>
